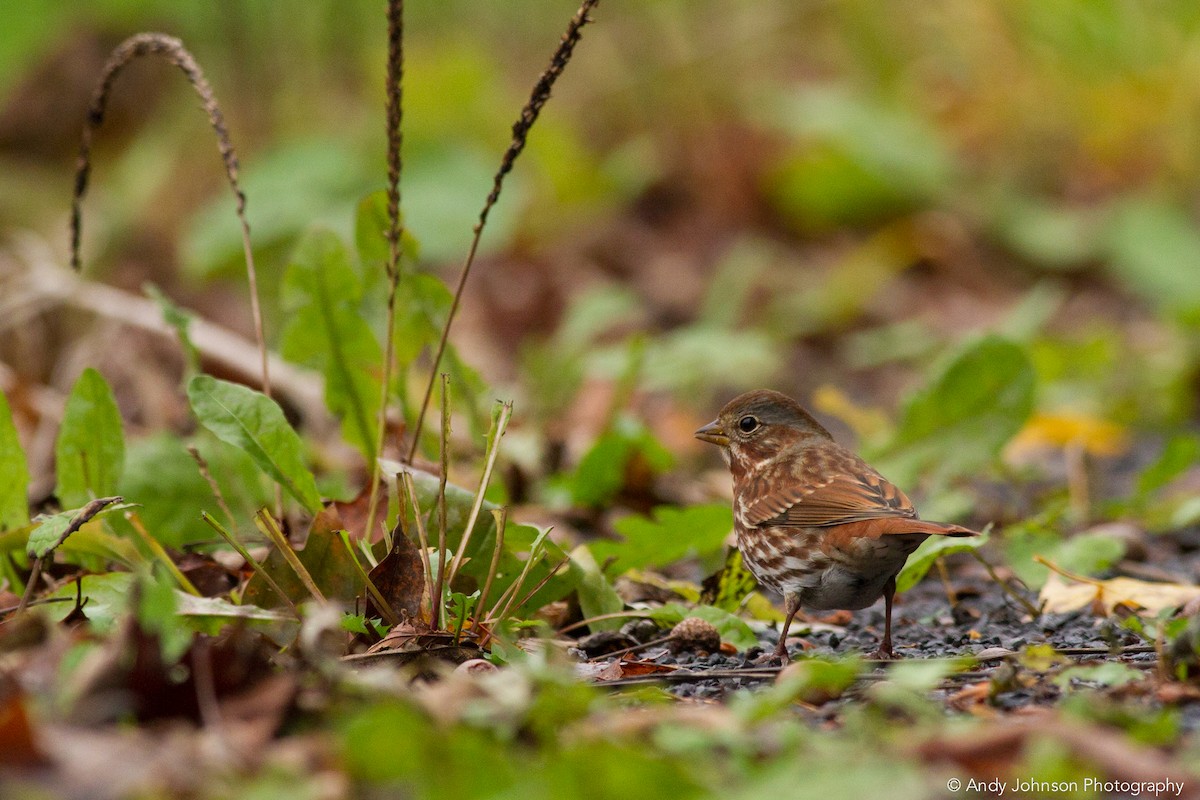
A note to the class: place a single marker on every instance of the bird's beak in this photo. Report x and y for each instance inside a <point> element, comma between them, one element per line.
<point>714,434</point>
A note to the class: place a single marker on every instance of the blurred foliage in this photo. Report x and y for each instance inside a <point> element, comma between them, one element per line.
<point>981,214</point>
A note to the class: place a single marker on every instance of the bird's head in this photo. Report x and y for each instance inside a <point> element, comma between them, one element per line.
<point>756,425</point>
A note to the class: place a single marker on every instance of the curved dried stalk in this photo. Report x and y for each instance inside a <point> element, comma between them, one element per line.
<point>172,49</point>
<point>520,131</point>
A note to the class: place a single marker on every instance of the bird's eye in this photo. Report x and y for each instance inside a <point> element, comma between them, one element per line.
<point>748,424</point>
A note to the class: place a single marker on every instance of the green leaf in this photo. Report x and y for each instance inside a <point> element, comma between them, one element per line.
<point>961,420</point>
<point>14,473</point>
<point>1149,241</point>
<point>931,550</point>
<point>49,530</point>
<point>181,320</point>
<point>1180,453</point>
<point>732,629</point>
<point>255,423</point>
<point>90,452</point>
<point>669,535</point>
<point>107,598</point>
<point>601,473</point>
<point>596,595</point>
<point>1111,674</point>
<point>159,467</point>
<point>326,330</point>
<point>370,237</point>
<point>87,540</point>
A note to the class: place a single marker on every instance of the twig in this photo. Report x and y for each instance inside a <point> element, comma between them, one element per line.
<point>583,623</point>
<point>395,232</point>
<point>951,595</point>
<point>249,559</point>
<point>172,50</point>
<point>1033,610</point>
<point>78,521</point>
<point>206,691</point>
<point>520,132</point>
<point>205,473</point>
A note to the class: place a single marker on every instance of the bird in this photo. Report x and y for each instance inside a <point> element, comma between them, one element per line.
<point>813,521</point>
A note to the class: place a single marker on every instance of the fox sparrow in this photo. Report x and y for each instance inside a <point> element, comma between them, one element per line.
<point>814,522</point>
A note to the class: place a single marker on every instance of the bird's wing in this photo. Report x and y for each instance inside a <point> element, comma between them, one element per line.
<point>823,487</point>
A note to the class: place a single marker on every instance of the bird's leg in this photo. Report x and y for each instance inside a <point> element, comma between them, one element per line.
<point>884,653</point>
<point>791,604</point>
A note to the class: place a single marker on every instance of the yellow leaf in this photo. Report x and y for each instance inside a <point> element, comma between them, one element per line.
<point>1097,436</point>
<point>1060,596</point>
<point>865,421</point>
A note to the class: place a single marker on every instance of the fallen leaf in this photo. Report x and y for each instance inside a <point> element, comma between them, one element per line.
<point>400,578</point>
<point>1059,596</point>
<point>18,747</point>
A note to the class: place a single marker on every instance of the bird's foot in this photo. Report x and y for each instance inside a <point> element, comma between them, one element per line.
<point>884,654</point>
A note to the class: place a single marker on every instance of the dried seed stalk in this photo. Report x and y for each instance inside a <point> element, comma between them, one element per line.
<point>395,115</point>
<point>172,49</point>
<point>520,131</point>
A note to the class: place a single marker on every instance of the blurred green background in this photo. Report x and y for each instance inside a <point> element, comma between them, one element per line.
<point>786,193</point>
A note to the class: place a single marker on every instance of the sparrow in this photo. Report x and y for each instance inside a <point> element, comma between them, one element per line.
<point>814,521</point>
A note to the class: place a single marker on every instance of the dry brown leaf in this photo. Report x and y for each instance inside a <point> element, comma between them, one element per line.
<point>400,578</point>
<point>1059,596</point>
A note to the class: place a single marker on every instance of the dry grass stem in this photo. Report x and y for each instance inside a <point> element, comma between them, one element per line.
<point>435,600</point>
<point>494,451</point>
<point>172,49</point>
<point>213,486</point>
<point>520,133</point>
<point>385,609</point>
<point>153,545</point>
<point>254,565</point>
<point>441,497</point>
<point>267,524</point>
<point>501,517</point>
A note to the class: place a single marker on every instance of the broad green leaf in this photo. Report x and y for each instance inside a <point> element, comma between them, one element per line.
<point>326,330</point>
<point>106,598</point>
<point>87,540</point>
<point>601,473</point>
<point>255,423</point>
<point>158,468</point>
<point>157,607</point>
<point>961,420</point>
<point>732,629</point>
<point>671,534</point>
<point>90,452</point>
<point>14,473</point>
<point>1150,241</point>
<point>49,530</point>
<point>596,595</point>
<point>931,550</point>
<point>370,239</point>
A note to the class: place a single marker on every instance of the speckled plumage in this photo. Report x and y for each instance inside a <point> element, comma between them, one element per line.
<point>814,521</point>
